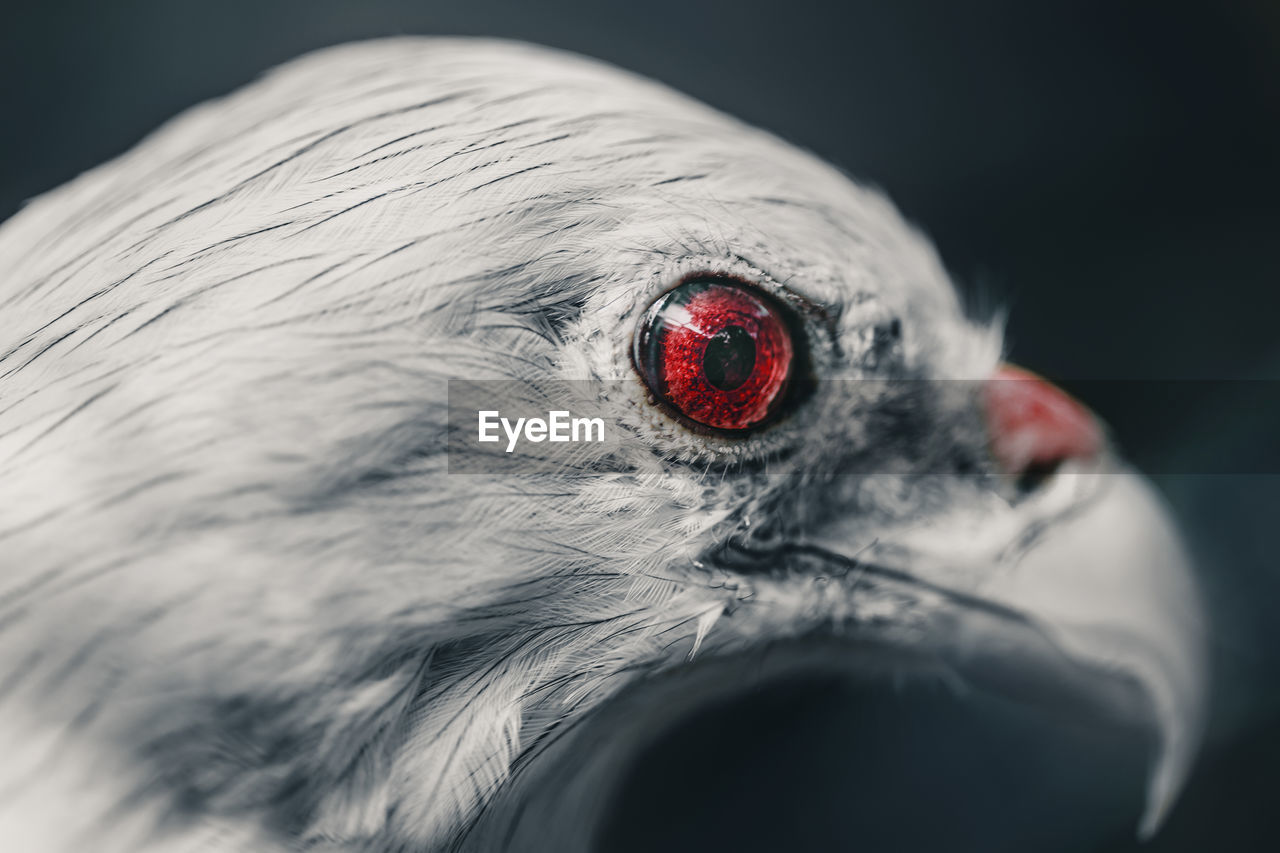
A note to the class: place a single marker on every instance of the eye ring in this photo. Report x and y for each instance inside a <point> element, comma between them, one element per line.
<point>719,353</point>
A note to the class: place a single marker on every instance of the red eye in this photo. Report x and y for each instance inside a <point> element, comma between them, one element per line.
<point>718,352</point>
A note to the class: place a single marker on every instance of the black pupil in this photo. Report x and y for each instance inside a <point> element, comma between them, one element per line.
<point>729,358</point>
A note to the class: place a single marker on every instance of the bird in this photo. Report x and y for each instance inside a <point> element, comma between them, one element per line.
<point>261,590</point>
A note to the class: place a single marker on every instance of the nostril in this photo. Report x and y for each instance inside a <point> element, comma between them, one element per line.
<point>1034,426</point>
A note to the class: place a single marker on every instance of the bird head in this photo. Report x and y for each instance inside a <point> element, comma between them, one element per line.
<point>253,597</point>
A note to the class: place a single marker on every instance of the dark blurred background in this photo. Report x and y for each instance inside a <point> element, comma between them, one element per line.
<point>1108,170</point>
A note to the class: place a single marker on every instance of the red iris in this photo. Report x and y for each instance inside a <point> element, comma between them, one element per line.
<point>718,352</point>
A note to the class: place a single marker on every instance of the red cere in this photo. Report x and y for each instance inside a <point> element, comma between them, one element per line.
<point>719,352</point>
<point>1034,424</point>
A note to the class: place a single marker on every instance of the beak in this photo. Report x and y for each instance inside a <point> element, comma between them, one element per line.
<point>1079,598</point>
<point>1112,585</point>
<point>1111,591</point>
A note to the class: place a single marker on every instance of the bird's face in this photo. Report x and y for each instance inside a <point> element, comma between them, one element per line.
<point>246,594</point>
